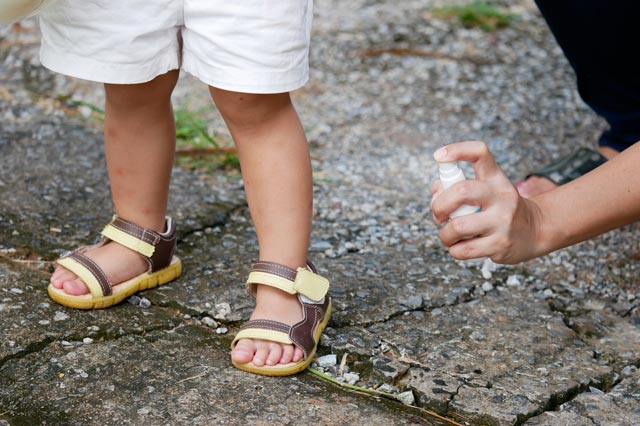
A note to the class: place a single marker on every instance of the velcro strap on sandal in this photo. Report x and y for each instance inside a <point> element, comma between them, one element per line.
<point>264,330</point>
<point>302,281</point>
<point>131,236</point>
<point>91,274</point>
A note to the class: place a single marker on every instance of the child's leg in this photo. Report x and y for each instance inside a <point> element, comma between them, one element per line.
<point>139,135</point>
<point>276,170</point>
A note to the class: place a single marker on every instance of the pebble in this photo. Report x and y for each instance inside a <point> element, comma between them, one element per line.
<point>351,378</point>
<point>87,340</point>
<point>413,302</point>
<point>143,411</point>
<point>60,316</point>
<point>488,267</point>
<point>387,388</point>
<point>513,281</point>
<point>327,361</point>
<point>209,322</point>
<point>134,300</point>
<point>406,398</point>
<point>145,303</point>
<point>487,286</point>
<point>320,246</point>
<point>221,310</point>
<point>595,390</point>
<point>222,330</point>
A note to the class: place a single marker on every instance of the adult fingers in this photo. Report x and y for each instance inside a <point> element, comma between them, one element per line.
<point>469,192</point>
<point>472,249</point>
<point>475,225</point>
<point>435,187</point>
<point>475,152</point>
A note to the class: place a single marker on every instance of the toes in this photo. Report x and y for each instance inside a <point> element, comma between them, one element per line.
<point>297,354</point>
<point>262,352</point>
<point>275,353</point>
<point>60,276</point>
<point>244,351</point>
<point>287,354</point>
<point>75,287</point>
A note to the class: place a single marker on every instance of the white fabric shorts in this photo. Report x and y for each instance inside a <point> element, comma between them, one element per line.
<point>251,46</point>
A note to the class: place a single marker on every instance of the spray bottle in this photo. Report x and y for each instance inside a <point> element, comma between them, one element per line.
<point>450,173</point>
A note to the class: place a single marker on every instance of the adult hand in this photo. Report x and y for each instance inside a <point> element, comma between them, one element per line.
<point>508,227</point>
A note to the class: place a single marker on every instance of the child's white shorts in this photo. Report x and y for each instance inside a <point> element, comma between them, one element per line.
<point>252,46</point>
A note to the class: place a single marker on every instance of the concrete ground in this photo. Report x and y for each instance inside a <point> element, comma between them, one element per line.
<point>553,341</point>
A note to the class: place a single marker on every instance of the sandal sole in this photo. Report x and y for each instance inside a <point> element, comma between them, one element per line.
<point>120,291</point>
<point>293,367</point>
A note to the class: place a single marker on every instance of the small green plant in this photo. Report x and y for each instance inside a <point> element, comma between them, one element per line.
<point>196,147</point>
<point>477,15</point>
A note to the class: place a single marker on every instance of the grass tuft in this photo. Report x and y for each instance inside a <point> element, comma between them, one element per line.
<point>477,15</point>
<point>197,149</point>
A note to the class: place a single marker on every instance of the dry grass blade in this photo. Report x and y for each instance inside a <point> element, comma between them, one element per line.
<point>189,151</point>
<point>378,394</point>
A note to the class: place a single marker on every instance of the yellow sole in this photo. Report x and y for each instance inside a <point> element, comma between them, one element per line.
<point>293,367</point>
<point>120,291</point>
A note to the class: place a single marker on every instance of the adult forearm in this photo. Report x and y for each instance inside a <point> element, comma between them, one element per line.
<point>604,199</point>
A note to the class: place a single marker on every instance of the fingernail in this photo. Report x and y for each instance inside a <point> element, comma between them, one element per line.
<point>440,154</point>
<point>434,196</point>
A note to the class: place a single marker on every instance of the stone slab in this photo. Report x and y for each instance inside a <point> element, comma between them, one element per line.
<point>174,377</point>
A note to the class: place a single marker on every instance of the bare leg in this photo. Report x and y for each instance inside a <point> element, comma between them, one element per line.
<point>139,136</point>
<point>536,185</point>
<point>276,169</point>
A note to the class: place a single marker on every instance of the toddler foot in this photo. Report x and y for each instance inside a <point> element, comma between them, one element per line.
<point>536,185</point>
<point>118,262</point>
<point>275,305</point>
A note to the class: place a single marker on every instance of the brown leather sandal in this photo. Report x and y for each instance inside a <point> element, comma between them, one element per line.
<point>156,248</point>
<point>312,290</point>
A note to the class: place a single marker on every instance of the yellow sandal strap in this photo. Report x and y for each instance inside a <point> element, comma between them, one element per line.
<point>264,330</point>
<point>303,281</point>
<point>90,273</point>
<point>143,242</point>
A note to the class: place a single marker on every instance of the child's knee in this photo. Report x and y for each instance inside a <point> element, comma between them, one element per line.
<point>249,109</point>
<point>132,96</point>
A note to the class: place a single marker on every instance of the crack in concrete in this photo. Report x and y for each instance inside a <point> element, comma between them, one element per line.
<point>458,301</point>
<point>31,348</point>
<point>195,314</point>
<point>39,346</point>
<point>557,399</point>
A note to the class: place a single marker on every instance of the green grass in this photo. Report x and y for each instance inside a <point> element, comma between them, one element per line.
<point>191,128</point>
<point>477,15</point>
<point>197,149</point>
<point>193,135</point>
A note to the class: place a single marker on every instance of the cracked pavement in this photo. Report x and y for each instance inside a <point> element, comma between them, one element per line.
<point>553,341</point>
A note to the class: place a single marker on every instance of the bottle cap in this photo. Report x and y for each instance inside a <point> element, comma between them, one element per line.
<point>449,169</point>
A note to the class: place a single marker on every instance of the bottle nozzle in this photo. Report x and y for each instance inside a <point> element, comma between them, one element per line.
<point>449,169</point>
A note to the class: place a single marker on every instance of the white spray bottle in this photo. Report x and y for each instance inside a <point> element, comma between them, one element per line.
<point>451,173</point>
